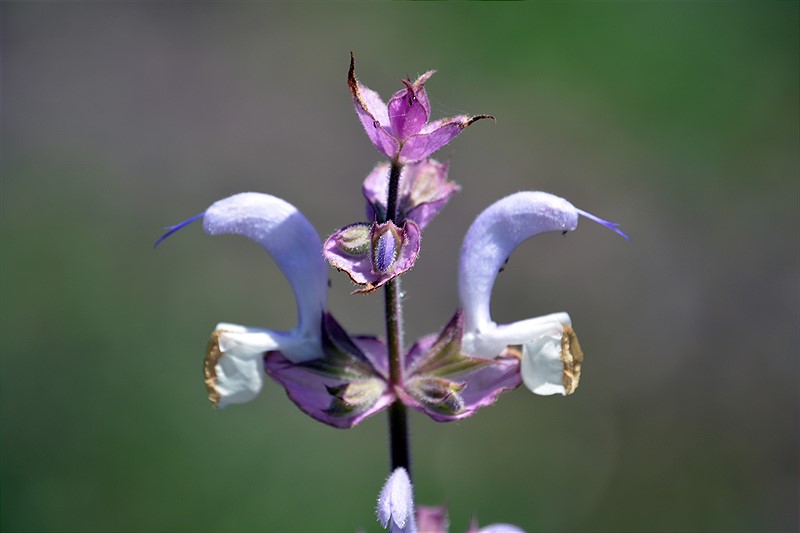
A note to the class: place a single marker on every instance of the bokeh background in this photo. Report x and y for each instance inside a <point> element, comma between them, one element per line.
<point>678,120</point>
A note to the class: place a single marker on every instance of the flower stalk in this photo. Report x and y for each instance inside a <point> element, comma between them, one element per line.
<point>394,187</point>
<point>398,418</point>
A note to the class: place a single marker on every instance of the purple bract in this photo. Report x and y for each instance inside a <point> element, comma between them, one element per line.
<point>401,129</point>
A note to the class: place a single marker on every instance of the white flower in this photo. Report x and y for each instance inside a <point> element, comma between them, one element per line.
<point>550,354</point>
<point>234,366</point>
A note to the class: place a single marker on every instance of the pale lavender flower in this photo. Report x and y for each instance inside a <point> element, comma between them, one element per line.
<point>396,503</point>
<point>550,354</point>
<point>331,376</point>
<point>233,366</point>
<point>401,129</point>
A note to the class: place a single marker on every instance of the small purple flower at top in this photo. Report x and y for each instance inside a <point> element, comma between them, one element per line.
<point>401,129</point>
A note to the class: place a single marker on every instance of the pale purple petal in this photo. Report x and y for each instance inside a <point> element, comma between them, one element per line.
<point>375,351</point>
<point>373,114</point>
<point>423,145</point>
<point>425,190</point>
<point>311,391</point>
<point>426,143</point>
<point>349,250</point>
<point>289,238</point>
<point>396,503</point>
<point>343,387</point>
<point>376,190</point>
<point>479,388</point>
<point>491,239</point>
<point>382,140</point>
<point>448,385</point>
<point>407,113</point>
<point>374,105</point>
<point>485,384</point>
<point>439,122</point>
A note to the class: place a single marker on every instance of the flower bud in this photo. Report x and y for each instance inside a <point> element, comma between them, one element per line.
<point>385,247</point>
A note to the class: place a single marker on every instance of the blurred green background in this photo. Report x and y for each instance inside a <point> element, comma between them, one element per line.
<point>678,120</point>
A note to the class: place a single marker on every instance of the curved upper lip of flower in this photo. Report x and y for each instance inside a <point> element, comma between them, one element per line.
<point>287,235</point>
<point>496,233</point>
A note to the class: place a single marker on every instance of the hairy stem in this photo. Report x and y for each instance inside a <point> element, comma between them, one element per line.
<point>398,422</point>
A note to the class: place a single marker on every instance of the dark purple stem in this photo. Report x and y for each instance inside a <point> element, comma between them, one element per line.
<point>398,420</point>
<point>394,187</point>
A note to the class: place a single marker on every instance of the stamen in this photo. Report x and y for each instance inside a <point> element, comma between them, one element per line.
<point>613,226</point>
<point>176,227</point>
